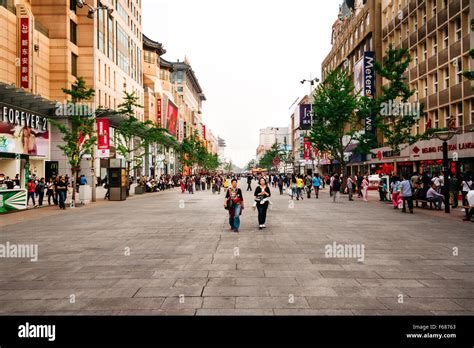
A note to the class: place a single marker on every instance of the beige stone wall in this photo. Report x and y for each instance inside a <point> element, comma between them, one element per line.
<point>8,46</point>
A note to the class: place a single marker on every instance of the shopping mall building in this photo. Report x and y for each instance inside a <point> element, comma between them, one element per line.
<point>438,36</point>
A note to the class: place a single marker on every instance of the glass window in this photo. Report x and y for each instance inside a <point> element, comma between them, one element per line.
<point>73,64</point>
<point>459,116</point>
<point>73,32</point>
<point>446,78</point>
<point>458,28</point>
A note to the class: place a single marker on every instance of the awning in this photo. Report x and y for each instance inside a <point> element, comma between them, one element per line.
<point>12,95</point>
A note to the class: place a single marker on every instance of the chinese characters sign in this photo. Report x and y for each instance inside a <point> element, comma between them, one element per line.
<point>25,53</point>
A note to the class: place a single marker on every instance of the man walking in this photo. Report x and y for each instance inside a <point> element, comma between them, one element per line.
<point>405,188</point>
<point>454,190</point>
<point>249,182</point>
<point>308,183</point>
<point>350,187</point>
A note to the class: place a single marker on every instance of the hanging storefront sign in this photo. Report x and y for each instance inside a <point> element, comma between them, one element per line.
<point>172,118</point>
<point>103,138</point>
<point>307,149</point>
<point>158,111</point>
<point>23,132</point>
<point>364,83</point>
<point>305,116</point>
<point>25,53</point>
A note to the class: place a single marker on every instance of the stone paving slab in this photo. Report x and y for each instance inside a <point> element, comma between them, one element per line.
<point>189,254</point>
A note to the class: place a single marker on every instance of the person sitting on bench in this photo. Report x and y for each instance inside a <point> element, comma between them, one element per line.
<point>470,200</point>
<point>433,196</point>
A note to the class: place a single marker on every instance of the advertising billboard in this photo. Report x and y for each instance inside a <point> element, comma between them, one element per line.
<point>305,116</point>
<point>172,118</point>
<point>23,132</point>
<point>364,83</point>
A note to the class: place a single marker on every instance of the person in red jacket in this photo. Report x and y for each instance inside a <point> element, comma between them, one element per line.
<point>31,192</point>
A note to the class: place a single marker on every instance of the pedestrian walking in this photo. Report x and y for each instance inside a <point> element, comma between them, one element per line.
<point>382,196</point>
<point>31,192</point>
<point>61,188</point>
<point>336,188</point>
<point>299,187</point>
<point>470,201</point>
<point>280,184</point>
<point>350,187</point>
<point>309,184</point>
<point>454,190</point>
<point>50,190</point>
<point>396,197</point>
<point>466,186</point>
<point>316,185</point>
<point>39,190</point>
<point>365,188</point>
<point>262,194</point>
<point>234,203</point>
<point>407,195</point>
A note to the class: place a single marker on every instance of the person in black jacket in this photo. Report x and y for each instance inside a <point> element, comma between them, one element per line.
<point>262,193</point>
<point>249,182</point>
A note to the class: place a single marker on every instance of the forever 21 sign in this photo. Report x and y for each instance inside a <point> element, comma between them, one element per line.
<point>23,118</point>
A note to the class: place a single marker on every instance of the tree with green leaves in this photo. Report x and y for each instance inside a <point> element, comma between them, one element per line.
<point>336,124</point>
<point>134,137</point>
<point>266,162</point>
<point>189,150</point>
<point>252,164</point>
<point>396,128</point>
<point>78,131</point>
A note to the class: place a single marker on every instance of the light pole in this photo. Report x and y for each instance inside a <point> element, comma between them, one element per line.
<point>311,82</point>
<point>445,136</point>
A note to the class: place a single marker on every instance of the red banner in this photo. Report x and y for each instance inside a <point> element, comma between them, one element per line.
<point>158,111</point>
<point>172,118</point>
<point>25,53</point>
<point>307,149</point>
<point>204,132</point>
<point>103,136</point>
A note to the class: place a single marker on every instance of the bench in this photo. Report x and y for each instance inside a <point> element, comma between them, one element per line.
<point>424,203</point>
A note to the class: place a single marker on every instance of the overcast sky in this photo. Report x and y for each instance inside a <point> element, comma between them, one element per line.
<point>249,57</point>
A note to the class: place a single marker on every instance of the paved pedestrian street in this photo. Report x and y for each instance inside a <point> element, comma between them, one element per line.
<point>173,254</point>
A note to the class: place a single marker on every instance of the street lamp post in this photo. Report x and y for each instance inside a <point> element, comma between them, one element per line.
<point>90,14</point>
<point>445,136</point>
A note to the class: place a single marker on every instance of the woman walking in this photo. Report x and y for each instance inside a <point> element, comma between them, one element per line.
<point>262,193</point>
<point>234,203</point>
<point>396,198</point>
<point>365,188</point>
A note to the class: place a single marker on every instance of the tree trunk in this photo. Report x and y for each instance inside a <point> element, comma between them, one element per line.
<point>74,178</point>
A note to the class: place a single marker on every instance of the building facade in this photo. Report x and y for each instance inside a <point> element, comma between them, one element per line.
<point>438,36</point>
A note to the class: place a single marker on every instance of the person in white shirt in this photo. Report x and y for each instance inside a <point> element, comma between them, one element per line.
<point>434,196</point>
<point>470,200</point>
<point>466,186</point>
